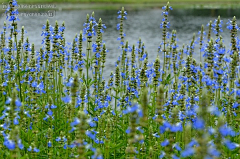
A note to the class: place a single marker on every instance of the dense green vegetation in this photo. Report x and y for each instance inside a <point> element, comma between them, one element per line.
<point>55,103</point>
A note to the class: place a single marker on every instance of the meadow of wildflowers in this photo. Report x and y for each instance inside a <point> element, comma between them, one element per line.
<point>55,102</point>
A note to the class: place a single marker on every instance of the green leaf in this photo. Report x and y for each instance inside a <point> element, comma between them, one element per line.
<point>88,153</point>
<point>168,79</point>
<point>115,97</point>
<point>22,72</point>
<point>85,61</point>
<point>24,157</point>
<point>120,128</point>
<point>2,103</point>
<point>115,147</point>
<point>91,82</point>
<point>122,157</point>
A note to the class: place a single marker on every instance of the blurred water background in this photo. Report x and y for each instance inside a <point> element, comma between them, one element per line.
<point>140,23</point>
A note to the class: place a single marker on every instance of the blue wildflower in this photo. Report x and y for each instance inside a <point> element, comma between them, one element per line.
<point>162,154</point>
<point>66,99</point>
<point>187,152</point>
<point>18,103</point>
<point>36,149</point>
<point>29,148</point>
<point>20,145</point>
<point>199,124</point>
<point>165,143</point>
<point>226,130</point>
<point>9,144</point>
<point>49,144</point>
<point>75,122</point>
<point>15,121</point>
<point>177,147</point>
<point>58,139</point>
<point>230,145</point>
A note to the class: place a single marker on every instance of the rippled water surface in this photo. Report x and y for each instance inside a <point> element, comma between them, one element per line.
<point>140,23</point>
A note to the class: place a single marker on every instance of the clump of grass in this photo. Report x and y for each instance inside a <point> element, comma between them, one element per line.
<point>55,102</point>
